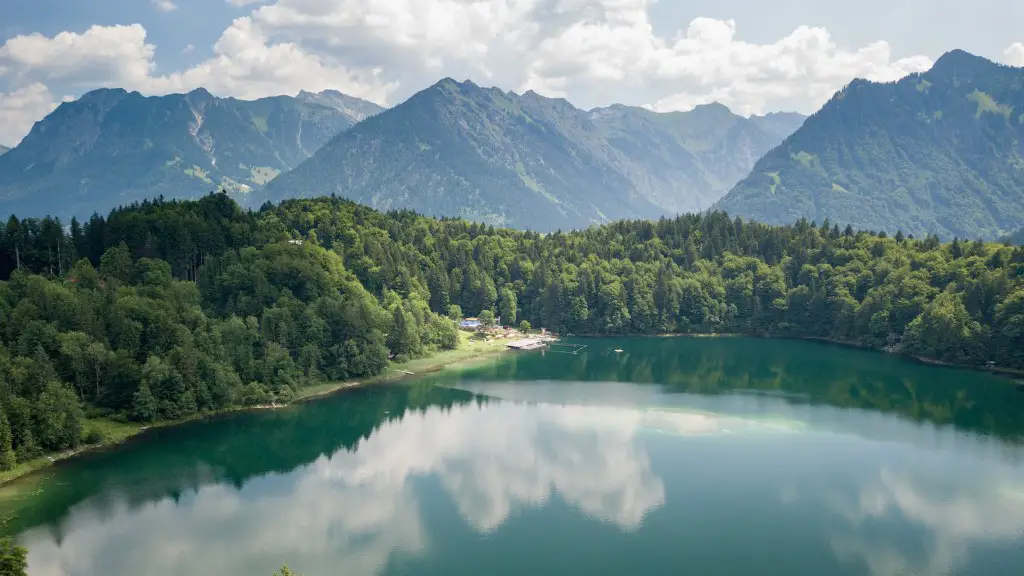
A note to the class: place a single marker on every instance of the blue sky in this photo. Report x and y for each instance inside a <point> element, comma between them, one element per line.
<point>754,56</point>
<point>195,22</point>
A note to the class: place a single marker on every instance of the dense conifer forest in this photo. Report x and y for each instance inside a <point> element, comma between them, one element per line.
<point>167,309</point>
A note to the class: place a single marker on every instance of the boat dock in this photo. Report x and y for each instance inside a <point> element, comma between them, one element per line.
<point>528,344</point>
<point>546,343</point>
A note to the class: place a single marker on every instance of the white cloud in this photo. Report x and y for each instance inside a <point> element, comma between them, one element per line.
<point>22,108</point>
<point>592,51</point>
<point>246,64</point>
<point>188,48</point>
<point>244,2</point>
<point>165,5</point>
<point>1014,55</point>
<point>708,63</point>
<point>100,56</point>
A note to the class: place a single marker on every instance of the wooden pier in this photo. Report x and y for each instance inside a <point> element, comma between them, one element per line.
<point>546,343</point>
<point>528,343</point>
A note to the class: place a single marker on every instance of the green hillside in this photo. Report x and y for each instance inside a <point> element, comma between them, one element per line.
<point>170,309</point>
<point>939,152</point>
<point>526,161</point>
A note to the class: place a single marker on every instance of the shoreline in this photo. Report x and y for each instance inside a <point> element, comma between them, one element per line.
<point>124,431</point>
<point>120,432</point>
<point>1014,375</point>
<point>1009,373</point>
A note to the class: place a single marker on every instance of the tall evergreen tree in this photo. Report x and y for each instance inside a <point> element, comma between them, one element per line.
<point>7,457</point>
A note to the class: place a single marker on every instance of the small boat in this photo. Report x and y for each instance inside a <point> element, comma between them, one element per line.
<point>618,349</point>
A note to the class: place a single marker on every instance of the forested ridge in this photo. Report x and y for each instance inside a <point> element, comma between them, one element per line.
<point>934,152</point>
<point>209,308</point>
<point>166,309</point>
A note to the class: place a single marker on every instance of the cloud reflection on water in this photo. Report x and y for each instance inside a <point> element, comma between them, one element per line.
<point>894,507</point>
<point>952,513</point>
<point>356,509</point>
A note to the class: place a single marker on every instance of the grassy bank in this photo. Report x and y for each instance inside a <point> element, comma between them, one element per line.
<point>469,349</point>
<point>114,432</point>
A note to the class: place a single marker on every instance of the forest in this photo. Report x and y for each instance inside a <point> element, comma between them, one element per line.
<point>167,309</point>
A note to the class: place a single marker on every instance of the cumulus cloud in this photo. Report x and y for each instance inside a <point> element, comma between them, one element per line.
<point>1014,55</point>
<point>595,52</point>
<point>21,108</point>
<point>246,64</point>
<point>100,56</point>
<point>592,51</point>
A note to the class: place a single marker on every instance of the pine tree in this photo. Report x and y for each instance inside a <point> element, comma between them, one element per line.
<point>144,404</point>
<point>7,457</point>
<point>507,307</point>
<point>403,338</point>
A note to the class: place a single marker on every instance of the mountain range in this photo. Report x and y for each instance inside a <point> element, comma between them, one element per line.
<point>112,147</point>
<point>454,149</point>
<point>527,161</point>
<point>3,149</point>
<point>938,152</point>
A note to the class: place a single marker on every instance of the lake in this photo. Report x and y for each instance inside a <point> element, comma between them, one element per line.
<point>675,456</point>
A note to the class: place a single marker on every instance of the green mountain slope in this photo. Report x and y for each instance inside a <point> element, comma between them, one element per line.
<point>526,161</point>
<point>940,152</point>
<point>112,147</point>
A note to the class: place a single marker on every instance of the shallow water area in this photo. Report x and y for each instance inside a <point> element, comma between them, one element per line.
<point>695,456</point>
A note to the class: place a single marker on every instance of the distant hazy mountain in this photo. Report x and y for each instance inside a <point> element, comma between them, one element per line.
<point>939,152</point>
<point>112,147</point>
<point>3,149</point>
<point>528,161</point>
<point>684,161</point>
<point>355,109</point>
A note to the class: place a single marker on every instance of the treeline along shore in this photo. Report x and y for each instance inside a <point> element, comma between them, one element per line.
<point>168,309</point>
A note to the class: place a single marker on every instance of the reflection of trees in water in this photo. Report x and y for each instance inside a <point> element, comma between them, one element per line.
<point>230,449</point>
<point>800,371</point>
<point>357,507</point>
